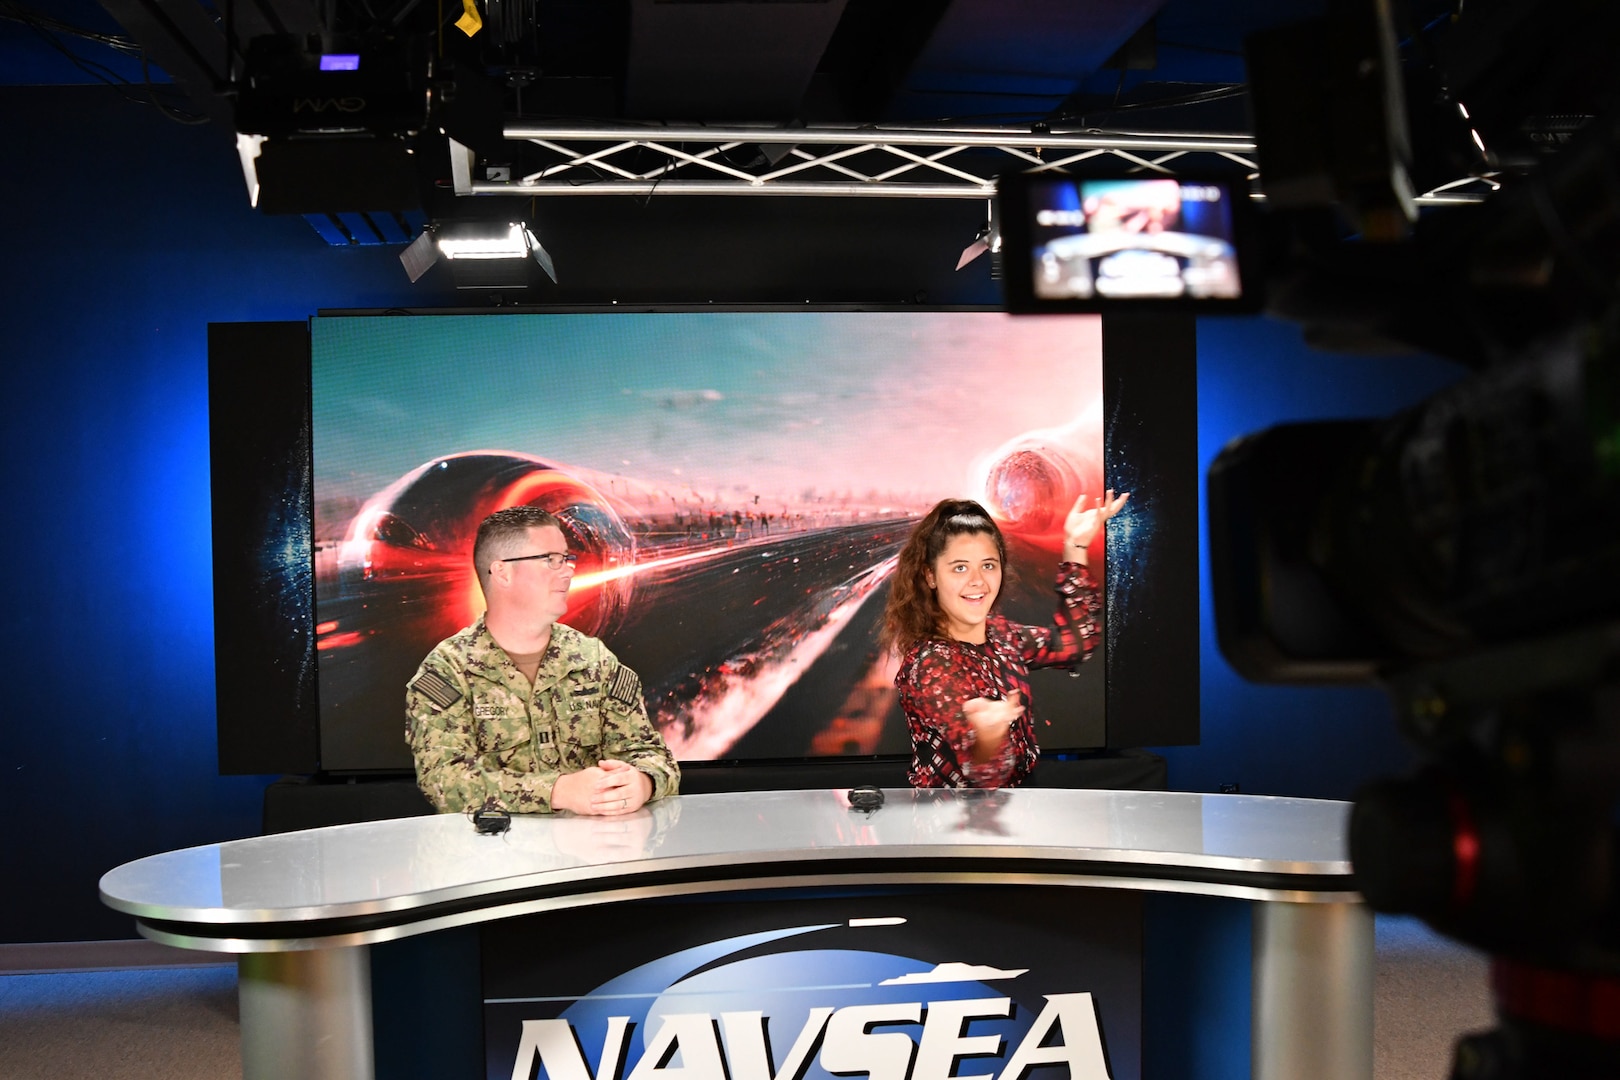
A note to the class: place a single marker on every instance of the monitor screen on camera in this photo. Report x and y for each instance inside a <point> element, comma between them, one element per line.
<point>1075,244</point>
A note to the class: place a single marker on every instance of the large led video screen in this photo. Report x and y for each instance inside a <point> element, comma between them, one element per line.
<point>737,485</point>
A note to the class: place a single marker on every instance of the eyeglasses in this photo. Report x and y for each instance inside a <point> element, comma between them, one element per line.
<point>554,559</point>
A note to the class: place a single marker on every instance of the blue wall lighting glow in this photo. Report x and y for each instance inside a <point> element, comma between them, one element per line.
<point>340,62</point>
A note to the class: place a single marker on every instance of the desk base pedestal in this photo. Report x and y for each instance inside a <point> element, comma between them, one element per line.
<point>1313,992</point>
<point>306,1014</point>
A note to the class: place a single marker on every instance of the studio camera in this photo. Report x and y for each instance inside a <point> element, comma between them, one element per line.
<point>1464,554</point>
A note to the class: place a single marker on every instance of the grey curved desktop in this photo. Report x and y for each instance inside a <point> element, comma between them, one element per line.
<point>302,908</point>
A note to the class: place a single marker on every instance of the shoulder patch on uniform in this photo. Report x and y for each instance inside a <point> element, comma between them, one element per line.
<point>625,686</point>
<point>437,689</point>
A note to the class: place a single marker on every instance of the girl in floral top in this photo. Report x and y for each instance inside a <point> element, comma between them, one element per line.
<point>964,668</point>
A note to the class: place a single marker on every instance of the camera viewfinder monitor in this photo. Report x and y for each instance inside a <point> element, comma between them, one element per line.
<point>1148,243</point>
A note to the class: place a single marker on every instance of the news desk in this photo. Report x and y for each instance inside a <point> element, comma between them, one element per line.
<point>303,909</point>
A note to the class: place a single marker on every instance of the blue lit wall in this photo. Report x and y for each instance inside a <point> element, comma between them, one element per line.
<point>1276,740</point>
<point>127,235</point>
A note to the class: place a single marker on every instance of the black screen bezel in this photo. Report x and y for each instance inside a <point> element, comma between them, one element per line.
<point>1150,391</point>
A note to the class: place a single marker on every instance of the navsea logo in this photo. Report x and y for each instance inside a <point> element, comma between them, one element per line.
<point>724,1011</point>
<point>320,105</point>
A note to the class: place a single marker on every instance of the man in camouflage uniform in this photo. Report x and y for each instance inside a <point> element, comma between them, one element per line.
<point>522,713</point>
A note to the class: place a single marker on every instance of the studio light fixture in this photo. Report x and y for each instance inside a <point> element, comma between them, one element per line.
<point>479,242</point>
<point>475,241</point>
<point>988,238</point>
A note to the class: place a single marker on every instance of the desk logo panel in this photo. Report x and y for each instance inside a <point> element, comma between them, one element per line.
<point>959,984</point>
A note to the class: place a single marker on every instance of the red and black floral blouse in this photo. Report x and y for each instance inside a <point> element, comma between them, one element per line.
<point>938,675</point>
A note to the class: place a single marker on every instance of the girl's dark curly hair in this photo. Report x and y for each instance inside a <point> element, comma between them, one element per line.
<point>913,613</point>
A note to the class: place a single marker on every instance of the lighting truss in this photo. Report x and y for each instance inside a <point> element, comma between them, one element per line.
<point>865,162</point>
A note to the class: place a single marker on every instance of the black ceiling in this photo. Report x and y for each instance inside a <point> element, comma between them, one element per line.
<point>814,61</point>
<point>1139,65</point>
<point>1525,73</point>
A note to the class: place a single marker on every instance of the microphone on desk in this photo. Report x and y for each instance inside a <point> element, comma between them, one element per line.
<point>865,798</point>
<point>491,822</point>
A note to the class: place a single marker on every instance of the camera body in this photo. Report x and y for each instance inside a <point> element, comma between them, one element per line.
<point>1464,554</point>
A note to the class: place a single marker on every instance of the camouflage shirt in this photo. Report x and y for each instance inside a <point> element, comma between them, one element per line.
<point>482,737</point>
